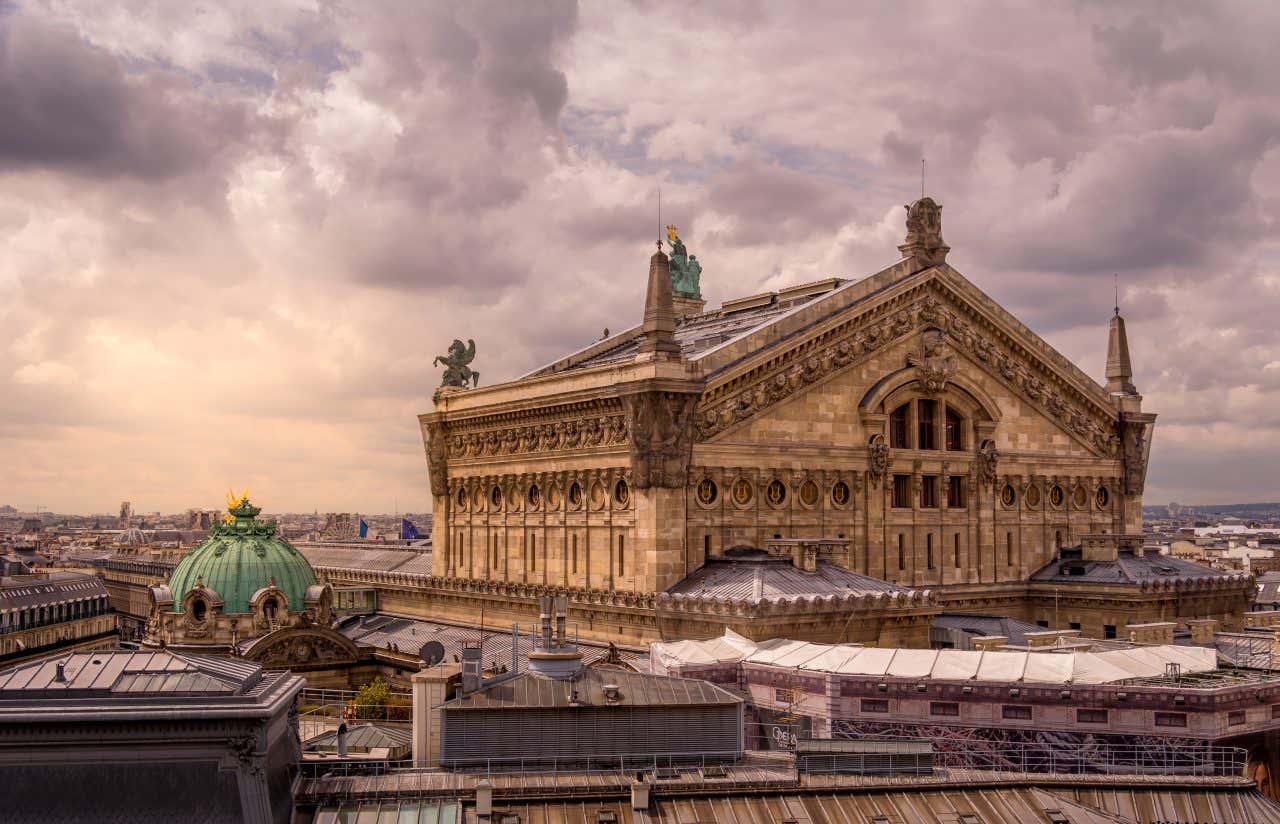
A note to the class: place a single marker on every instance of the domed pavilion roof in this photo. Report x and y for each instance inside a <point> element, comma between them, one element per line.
<point>240,556</point>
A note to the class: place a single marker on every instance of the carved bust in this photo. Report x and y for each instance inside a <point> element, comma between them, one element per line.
<point>924,233</point>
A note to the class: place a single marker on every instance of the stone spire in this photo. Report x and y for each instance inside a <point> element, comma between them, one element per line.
<point>659,313</point>
<point>1119,369</point>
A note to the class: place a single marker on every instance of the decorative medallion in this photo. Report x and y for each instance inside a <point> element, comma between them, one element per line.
<point>535,496</point>
<point>1057,497</point>
<point>597,495</point>
<point>1008,497</point>
<point>1032,496</point>
<point>809,493</point>
<point>1080,496</point>
<point>840,493</point>
<point>742,492</point>
<point>933,367</point>
<point>622,494</point>
<point>554,498</point>
<point>1102,497</point>
<point>776,492</point>
<point>707,492</point>
<point>495,497</point>
<point>575,495</point>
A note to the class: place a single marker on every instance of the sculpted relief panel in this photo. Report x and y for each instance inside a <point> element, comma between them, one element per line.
<point>944,325</point>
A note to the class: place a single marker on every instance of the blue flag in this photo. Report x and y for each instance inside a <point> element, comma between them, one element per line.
<point>364,529</point>
<point>407,529</point>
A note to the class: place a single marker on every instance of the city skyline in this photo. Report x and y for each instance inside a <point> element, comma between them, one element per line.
<point>231,243</point>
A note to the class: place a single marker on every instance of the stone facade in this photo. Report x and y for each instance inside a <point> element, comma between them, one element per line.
<point>905,419</point>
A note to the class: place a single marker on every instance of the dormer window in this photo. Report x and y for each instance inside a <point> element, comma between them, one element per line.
<point>199,610</point>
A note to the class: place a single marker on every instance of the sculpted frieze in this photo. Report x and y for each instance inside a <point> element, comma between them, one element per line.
<point>661,438</point>
<point>860,339</point>
<point>579,433</point>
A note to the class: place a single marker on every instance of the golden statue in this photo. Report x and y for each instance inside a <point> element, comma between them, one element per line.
<point>234,501</point>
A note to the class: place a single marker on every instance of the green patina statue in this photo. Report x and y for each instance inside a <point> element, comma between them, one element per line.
<point>456,371</point>
<point>686,271</point>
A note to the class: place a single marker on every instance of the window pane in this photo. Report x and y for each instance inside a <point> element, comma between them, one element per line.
<point>927,434</point>
<point>898,428</point>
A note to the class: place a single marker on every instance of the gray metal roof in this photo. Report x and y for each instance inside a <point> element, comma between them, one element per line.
<point>126,673</point>
<point>635,689</point>
<point>979,625</point>
<point>25,591</point>
<point>1126,569</point>
<point>697,333</point>
<point>366,736</point>
<point>408,635</point>
<point>1268,589</point>
<point>768,578</point>
<point>375,560</point>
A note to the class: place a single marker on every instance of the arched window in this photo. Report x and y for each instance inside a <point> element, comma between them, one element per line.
<point>898,427</point>
<point>926,424</point>
<point>954,431</point>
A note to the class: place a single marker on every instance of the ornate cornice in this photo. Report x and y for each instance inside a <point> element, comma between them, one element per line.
<point>860,337</point>
<point>558,433</point>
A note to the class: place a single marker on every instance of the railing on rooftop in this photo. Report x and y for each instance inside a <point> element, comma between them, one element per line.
<point>1007,759</point>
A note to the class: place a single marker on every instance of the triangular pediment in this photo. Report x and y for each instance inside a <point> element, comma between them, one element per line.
<point>765,367</point>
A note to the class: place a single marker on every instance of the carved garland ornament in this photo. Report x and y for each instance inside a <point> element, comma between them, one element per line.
<point>660,436</point>
<point>604,430</point>
<point>801,369</point>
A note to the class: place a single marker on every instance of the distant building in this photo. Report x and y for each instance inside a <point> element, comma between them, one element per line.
<point>44,612</point>
<point>147,736</point>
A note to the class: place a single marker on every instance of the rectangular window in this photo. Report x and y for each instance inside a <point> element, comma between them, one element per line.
<point>898,428</point>
<point>926,428</point>
<point>956,548</point>
<point>574,556</point>
<point>1171,719</point>
<point>901,491</point>
<point>1108,630</point>
<point>875,705</point>
<point>783,695</point>
<point>902,554</point>
<point>955,491</point>
<point>954,441</point>
<point>949,708</point>
<point>1008,549</point>
<point>928,491</point>
<point>533,553</point>
<point>1091,716</point>
<point>1235,719</point>
<point>1074,625</point>
<point>621,550</point>
<point>1044,624</point>
<point>1275,711</point>
<point>928,548</point>
<point>1016,712</point>
<point>706,546</point>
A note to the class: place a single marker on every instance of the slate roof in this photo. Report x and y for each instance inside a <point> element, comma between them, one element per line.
<point>365,737</point>
<point>1268,590</point>
<point>25,591</point>
<point>697,333</point>
<point>769,578</point>
<point>635,689</point>
<point>1126,569</point>
<point>128,674</point>
<point>409,635</point>
<point>376,560</point>
<point>988,625</point>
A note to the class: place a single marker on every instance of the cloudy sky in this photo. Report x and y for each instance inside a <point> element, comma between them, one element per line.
<point>233,235</point>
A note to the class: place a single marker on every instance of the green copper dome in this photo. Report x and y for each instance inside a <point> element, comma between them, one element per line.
<point>240,556</point>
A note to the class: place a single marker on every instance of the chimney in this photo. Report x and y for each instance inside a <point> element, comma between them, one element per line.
<point>659,314</point>
<point>639,795</point>
<point>562,619</point>
<point>544,620</point>
<point>61,676</point>
<point>471,665</point>
<point>484,798</point>
<point>1119,369</point>
<point>1202,631</point>
<point>1160,632</point>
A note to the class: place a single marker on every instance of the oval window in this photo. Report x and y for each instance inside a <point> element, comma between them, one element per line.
<point>707,492</point>
<point>535,496</point>
<point>553,497</point>
<point>1007,496</point>
<point>1057,496</point>
<point>840,493</point>
<point>575,494</point>
<point>199,610</point>
<point>1102,497</point>
<point>621,493</point>
<point>777,492</point>
<point>495,496</point>
<point>809,493</point>
<point>462,498</point>
<point>742,492</point>
<point>1080,496</point>
<point>1033,495</point>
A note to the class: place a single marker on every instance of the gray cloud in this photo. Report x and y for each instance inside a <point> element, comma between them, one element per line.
<point>235,235</point>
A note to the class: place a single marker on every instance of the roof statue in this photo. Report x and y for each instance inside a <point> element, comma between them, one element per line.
<point>456,372</point>
<point>686,271</point>
<point>235,501</point>
<point>924,233</point>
